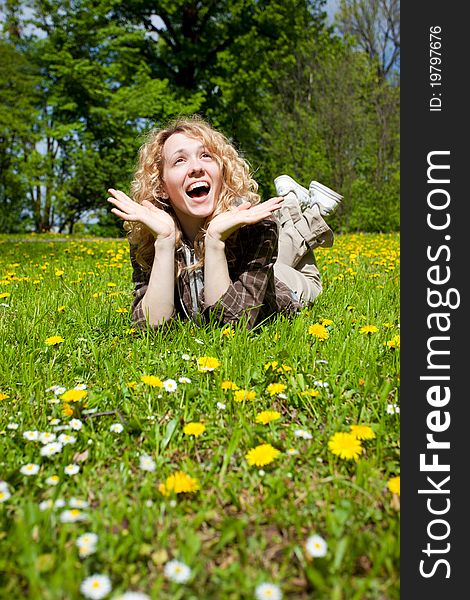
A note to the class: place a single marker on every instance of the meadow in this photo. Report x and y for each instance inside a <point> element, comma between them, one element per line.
<point>197,463</point>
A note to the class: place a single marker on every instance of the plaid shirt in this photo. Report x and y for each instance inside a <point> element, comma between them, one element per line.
<point>253,294</point>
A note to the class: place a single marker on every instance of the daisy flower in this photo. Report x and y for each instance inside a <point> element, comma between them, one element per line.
<point>179,483</point>
<point>45,505</point>
<point>29,469</point>
<point>76,424</point>
<point>86,544</point>
<point>5,493</point>
<point>362,432</point>
<point>46,437</point>
<point>53,480</point>
<point>65,438</point>
<point>73,516</point>
<point>319,331</point>
<point>78,503</point>
<point>345,445</point>
<point>221,406</point>
<point>146,463</point>
<point>262,455</point>
<point>302,433</point>
<point>292,451</point>
<point>170,385</point>
<point>195,429</point>
<point>184,380</point>
<point>31,436</point>
<point>266,416</point>
<point>51,449</point>
<point>268,591</point>
<point>133,596</point>
<point>177,571</point>
<point>71,469</point>
<point>13,426</point>
<point>96,586</point>
<point>185,356</point>
<point>207,363</point>
<point>394,485</point>
<point>116,428</point>
<point>316,546</point>
<point>80,386</point>
<point>392,409</point>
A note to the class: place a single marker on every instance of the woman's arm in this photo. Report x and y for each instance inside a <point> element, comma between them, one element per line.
<point>156,304</point>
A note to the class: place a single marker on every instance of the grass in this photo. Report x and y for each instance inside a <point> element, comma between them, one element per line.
<point>246,524</point>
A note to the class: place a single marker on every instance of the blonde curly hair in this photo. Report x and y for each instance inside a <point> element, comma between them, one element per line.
<point>147,184</point>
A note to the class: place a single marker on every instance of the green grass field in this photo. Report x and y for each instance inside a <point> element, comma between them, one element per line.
<point>94,436</point>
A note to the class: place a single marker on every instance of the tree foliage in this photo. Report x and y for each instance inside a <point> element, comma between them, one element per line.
<point>83,80</point>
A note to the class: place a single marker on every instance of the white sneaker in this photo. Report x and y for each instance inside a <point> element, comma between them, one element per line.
<point>285,184</point>
<point>326,198</point>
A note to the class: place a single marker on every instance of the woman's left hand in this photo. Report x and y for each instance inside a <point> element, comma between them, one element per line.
<point>222,226</point>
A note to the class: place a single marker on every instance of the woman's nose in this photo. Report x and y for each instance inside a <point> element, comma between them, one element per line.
<point>196,167</point>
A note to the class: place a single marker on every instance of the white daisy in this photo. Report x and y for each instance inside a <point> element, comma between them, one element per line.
<point>31,436</point>
<point>302,433</point>
<point>46,505</point>
<point>147,463</point>
<point>177,571</point>
<point>184,380</point>
<point>87,539</point>
<point>71,469</point>
<point>52,448</point>
<point>116,428</point>
<point>62,427</point>
<point>13,426</point>
<point>78,503</point>
<point>266,591</point>
<point>185,357</point>
<point>221,406</point>
<point>85,551</point>
<point>73,516</point>
<point>46,437</point>
<point>59,503</point>
<point>52,480</point>
<point>76,424</point>
<point>65,438</point>
<point>392,409</point>
<point>29,469</point>
<point>5,493</point>
<point>89,411</point>
<point>96,586</point>
<point>316,546</point>
<point>54,421</point>
<point>80,386</point>
<point>170,385</point>
<point>133,596</point>
<point>324,384</point>
<point>292,451</point>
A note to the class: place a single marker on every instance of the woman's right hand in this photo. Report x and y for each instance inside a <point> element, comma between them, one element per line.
<point>159,222</point>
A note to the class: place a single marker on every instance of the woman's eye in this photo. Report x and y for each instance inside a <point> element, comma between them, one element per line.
<point>207,155</point>
<point>178,160</point>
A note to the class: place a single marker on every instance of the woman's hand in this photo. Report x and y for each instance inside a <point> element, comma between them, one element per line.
<point>222,226</point>
<point>156,220</point>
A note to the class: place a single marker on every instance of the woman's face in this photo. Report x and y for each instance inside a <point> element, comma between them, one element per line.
<point>192,179</point>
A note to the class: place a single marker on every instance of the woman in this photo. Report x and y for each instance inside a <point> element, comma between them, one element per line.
<point>202,244</point>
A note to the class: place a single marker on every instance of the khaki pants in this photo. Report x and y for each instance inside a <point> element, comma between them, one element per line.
<point>300,232</point>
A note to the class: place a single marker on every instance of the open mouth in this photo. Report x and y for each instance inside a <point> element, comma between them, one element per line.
<point>199,189</point>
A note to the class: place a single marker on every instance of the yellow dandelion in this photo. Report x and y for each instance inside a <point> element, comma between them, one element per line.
<point>67,410</point>
<point>229,385</point>
<point>59,272</point>
<point>284,369</point>
<point>368,329</point>
<point>179,483</point>
<point>122,310</point>
<point>73,395</point>
<point>319,331</point>
<point>228,332</point>
<point>130,331</point>
<point>275,388</point>
<point>361,381</point>
<point>362,432</point>
<point>394,342</point>
<point>152,381</point>
<point>131,385</point>
<point>326,322</point>
<point>54,340</point>
<point>3,396</point>
<point>195,429</point>
<point>394,485</point>
<point>111,284</point>
<point>262,455</point>
<point>61,309</point>
<point>241,395</point>
<point>310,392</point>
<point>345,445</point>
<point>266,416</point>
<point>271,365</point>
<point>4,295</point>
<point>207,363</point>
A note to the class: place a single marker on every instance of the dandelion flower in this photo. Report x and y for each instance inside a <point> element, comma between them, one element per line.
<point>207,363</point>
<point>116,428</point>
<point>3,396</point>
<point>54,340</point>
<point>394,342</point>
<point>368,329</point>
<point>195,429</point>
<point>179,483</point>
<point>268,591</point>
<point>362,432</point>
<point>228,332</point>
<point>319,331</point>
<point>177,571</point>
<point>71,469</point>
<point>267,416</point>
<point>326,322</point>
<point>146,463</point>
<point>51,449</point>
<point>345,445</point>
<point>310,392</point>
<point>96,586</point>
<point>316,546</point>
<point>241,395</point>
<point>170,385</point>
<point>275,388</point>
<point>394,485</point>
<point>29,469</point>
<point>262,455</point>
<point>74,395</point>
<point>229,385</point>
<point>152,381</point>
